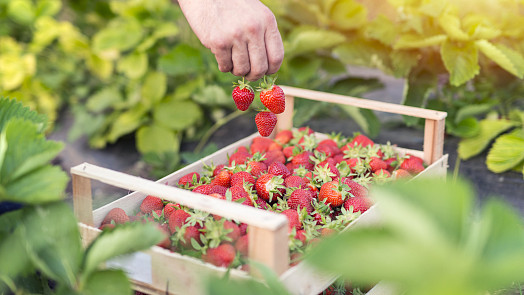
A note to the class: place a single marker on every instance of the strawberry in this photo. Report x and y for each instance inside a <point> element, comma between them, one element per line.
<point>243,228</point>
<point>303,159</point>
<point>242,245</point>
<point>274,156</point>
<point>355,189</point>
<point>361,140</point>
<point>333,192</point>
<point>177,219</point>
<point>272,96</point>
<point>240,177</point>
<point>269,187</point>
<point>261,204</point>
<point>300,198</point>
<point>260,144</point>
<point>169,208</point>
<point>222,255</point>
<point>413,165</point>
<point>377,164</point>
<point>235,230</point>
<point>284,136</point>
<point>204,189</point>
<point>383,173</point>
<point>401,173</point>
<point>218,189</point>
<point>257,168</point>
<point>295,181</point>
<point>266,122</point>
<point>190,178</point>
<point>118,215</point>
<point>359,204</point>
<point>243,95</point>
<point>293,219</point>
<point>288,151</point>
<point>217,169</point>
<point>151,203</point>
<point>190,232</point>
<point>240,157</point>
<point>277,168</point>
<point>223,178</point>
<point>301,236</point>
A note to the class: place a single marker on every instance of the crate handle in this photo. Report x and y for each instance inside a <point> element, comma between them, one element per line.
<point>268,231</point>
<point>434,120</point>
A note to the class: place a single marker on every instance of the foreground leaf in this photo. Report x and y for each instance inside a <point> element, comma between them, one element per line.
<point>11,108</point>
<point>108,282</point>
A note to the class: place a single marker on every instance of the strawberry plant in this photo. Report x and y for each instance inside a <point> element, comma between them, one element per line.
<point>40,246</point>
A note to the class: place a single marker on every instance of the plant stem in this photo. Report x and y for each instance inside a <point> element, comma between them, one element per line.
<point>215,127</point>
<point>456,169</point>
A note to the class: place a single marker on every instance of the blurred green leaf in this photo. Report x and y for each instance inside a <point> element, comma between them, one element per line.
<point>154,88</point>
<point>108,282</point>
<point>48,7</point>
<point>304,67</point>
<point>22,11</point>
<point>507,152</point>
<point>181,60</point>
<point>505,57</point>
<point>212,95</point>
<point>366,119</point>
<point>489,129</point>
<point>461,61</point>
<point>305,40</point>
<point>156,139</point>
<point>120,34</point>
<point>114,243</point>
<point>347,14</point>
<point>472,110</point>
<point>127,122</point>
<point>417,89</point>
<point>11,108</point>
<point>133,65</point>
<point>177,115</point>
<point>468,127</point>
<point>104,99</point>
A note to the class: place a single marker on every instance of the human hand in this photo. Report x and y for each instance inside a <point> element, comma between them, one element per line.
<point>242,34</point>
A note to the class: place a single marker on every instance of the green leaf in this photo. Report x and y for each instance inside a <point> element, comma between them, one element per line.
<point>452,26</point>
<point>48,7</point>
<point>123,239</point>
<point>99,66</point>
<point>104,99</point>
<point>10,108</point>
<point>12,247</point>
<point>472,110</point>
<point>416,41</point>
<point>154,88</point>
<point>177,115</point>
<point>107,282</point>
<point>126,122</point>
<point>417,89</point>
<point>133,65</point>
<point>468,127</point>
<point>507,152</point>
<point>382,29</point>
<point>461,61</point>
<point>304,67</point>
<point>53,241</point>
<point>120,35</point>
<point>489,129</point>
<point>306,40</point>
<point>22,11</point>
<point>366,119</point>
<point>347,14</point>
<point>505,57</point>
<point>213,95</point>
<point>42,185</point>
<point>162,30</point>
<point>156,139</point>
<point>402,62</point>
<point>182,60</point>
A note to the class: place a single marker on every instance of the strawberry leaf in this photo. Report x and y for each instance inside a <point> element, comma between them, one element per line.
<point>489,129</point>
<point>109,281</point>
<point>507,152</point>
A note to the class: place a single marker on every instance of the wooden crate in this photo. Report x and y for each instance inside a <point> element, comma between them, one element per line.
<point>159,271</point>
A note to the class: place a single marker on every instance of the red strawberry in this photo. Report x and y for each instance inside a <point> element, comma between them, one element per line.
<point>303,159</point>
<point>306,130</point>
<point>277,168</point>
<point>188,179</point>
<point>223,178</point>
<point>301,236</point>
<point>218,189</point>
<point>272,96</point>
<point>240,157</point>
<point>382,173</point>
<point>166,242</point>
<point>169,208</point>
<point>284,136</point>
<point>295,181</point>
<point>401,173</point>
<point>240,177</point>
<point>217,169</point>
<point>391,162</point>
<point>118,215</point>
<point>274,156</point>
<point>293,219</point>
<point>243,95</point>
<point>361,140</point>
<point>359,204</point>
<point>300,198</point>
<point>190,232</point>
<point>377,164</point>
<point>235,230</point>
<point>222,255</point>
<point>242,245</point>
<point>243,228</point>
<point>333,193</point>
<point>288,151</point>
<point>260,144</point>
<point>204,189</point>
<point>261,204</point>
<point>269,187</point>
<point>413,165</point>
<point>177,219</point>
<point>257,168</point>
<point>355,189</point>
<point>266,122</point>
<point>151,203</point>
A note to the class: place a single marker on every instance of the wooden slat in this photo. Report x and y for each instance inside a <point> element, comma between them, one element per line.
<point>82,199</point>
<point>269,247</point>
<point>285,119</point>
<point>364,103</point>
<point>433,140</point>
<point>250,215</point>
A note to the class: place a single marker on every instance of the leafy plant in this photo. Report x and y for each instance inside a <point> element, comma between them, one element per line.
<point>40,244</point>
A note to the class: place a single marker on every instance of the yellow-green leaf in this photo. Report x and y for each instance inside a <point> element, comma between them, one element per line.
<point>505,57</point>
<point>461,61</point>
<point>154,88</point>
<point>382,29</point>
<point>100,67</point>
<point>103,99</point>
<point>348,14</point>
<point>22,11</point>
<point>418,41</point>
<point>127,122</point>
<point>489,129</point>
<point>156,139</point>
<point>313,39</point>
<point>133,65</point>
<point>177,115</point>
<point>48,7</point>
<point>120,35</point>
<point>451,25</point>
<point>507,152</point>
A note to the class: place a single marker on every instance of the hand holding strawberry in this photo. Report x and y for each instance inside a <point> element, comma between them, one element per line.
<point>243,95</point>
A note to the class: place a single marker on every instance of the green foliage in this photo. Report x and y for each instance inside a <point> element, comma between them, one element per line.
<point>40,243</point>
<point>439,228</point>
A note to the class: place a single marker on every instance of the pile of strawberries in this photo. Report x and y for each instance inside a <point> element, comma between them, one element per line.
<point>271,96</point>
<point>319,185</point>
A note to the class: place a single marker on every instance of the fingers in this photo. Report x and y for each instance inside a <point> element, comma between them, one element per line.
<point>223,56</point>
<point>274,48</point>
<point>240,59</point>
<point>257,58</point>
